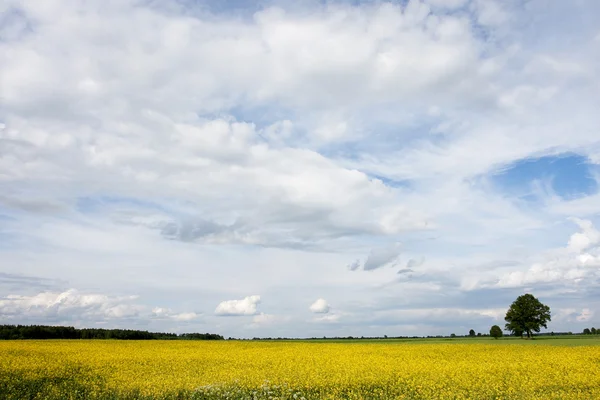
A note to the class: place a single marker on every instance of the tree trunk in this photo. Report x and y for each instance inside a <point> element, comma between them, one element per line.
<point>528,334</point>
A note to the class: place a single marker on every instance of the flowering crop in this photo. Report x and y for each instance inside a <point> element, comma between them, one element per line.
<point>70,369</point>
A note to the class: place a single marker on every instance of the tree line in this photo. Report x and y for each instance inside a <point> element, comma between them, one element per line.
<point>15,332</point>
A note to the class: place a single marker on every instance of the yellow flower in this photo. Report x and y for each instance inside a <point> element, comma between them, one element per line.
<point>298,370</point>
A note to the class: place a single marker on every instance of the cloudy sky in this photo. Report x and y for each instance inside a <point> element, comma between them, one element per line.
<point>299,168</point>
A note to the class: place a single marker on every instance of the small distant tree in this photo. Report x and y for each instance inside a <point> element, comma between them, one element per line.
<point>594,331</point>
<point>587,331</point>
<point>472,333</point>
<point>526,315</point>
<point>478,333</point>
<point>453,335</point>
<point>495,332</point>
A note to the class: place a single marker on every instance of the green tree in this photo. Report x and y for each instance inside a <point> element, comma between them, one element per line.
<point>495,332</point>
<point>472,333</point>
<point>526,315</point>
<point>594,331</point>
<point>587,331</point>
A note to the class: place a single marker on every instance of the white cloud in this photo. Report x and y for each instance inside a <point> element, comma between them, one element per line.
<point>320,306</point>
<point>246,306</point>
<point>588,237</point>
<point>69,305</point>
<point>575,264</point>
<point>573,315</point>
<point>161,312</point>
<point>223,154</point>
<point>413,263</point>
<point>167,313</point>
<point>380,257</point>
<point>189,316</point>
<point>490,12</point>
<point>262,320</point>
<point>182,147</point>
<point>589,260</point>
<point>74,307</point>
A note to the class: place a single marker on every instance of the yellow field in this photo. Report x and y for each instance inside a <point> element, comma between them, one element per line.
<point>263,370</point>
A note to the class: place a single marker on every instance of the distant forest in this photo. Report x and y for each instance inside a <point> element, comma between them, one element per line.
<point>12,332</point>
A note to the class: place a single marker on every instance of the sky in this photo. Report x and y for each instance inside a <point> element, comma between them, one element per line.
<point>299,168</point>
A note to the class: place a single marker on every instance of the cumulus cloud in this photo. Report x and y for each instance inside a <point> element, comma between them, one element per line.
<point>69,305</point>
<point>306,191</point>
<point>320,306</point>
<point>588,237</point>
<point>73,306</point>
<point>575,264</point>
<point>246,306</point>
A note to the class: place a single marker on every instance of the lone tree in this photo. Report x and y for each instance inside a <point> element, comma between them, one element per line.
<point>526,314</point>
<point>472,333</point>
<point>495,332</point>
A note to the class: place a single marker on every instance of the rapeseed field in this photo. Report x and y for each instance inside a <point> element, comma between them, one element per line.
<point>80,369</point>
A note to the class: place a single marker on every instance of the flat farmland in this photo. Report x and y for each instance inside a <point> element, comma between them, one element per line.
<point>481,368</point>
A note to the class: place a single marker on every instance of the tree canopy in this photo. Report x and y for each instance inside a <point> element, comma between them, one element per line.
<point>527,315</point>
<point>495,332</point>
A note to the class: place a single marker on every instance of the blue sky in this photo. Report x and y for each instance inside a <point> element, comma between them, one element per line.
<point>569,176</point>
<point>299,168</point>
